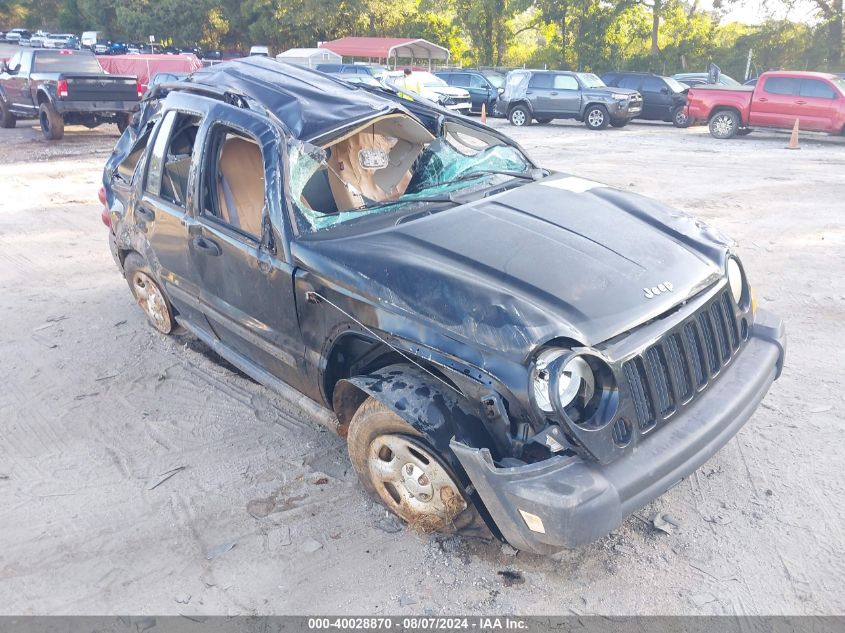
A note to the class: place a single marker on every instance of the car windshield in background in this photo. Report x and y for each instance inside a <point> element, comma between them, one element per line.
<point>392,164</point>
<point>430,81</point>
<point>840,85</point>
<point>62,62</point>
<point>497,80</point>
<point>590,80</point>
<point>675,85</point>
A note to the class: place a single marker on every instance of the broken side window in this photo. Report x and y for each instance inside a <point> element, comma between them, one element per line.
<point>170,160</point>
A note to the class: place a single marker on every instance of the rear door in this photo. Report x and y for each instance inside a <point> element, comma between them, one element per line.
<point>163,210</point>
<point>539,94</point>
<point>773,103</point>
<point>480,92</point>
<point>237,244</point>
<point>817,105</point>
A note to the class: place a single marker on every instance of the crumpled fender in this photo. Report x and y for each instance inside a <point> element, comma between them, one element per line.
<point>435,409</point>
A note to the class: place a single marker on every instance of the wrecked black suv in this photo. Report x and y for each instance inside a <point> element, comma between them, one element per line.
<point>497,342</point>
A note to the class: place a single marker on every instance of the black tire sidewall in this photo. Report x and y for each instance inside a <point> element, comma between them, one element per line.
<point>55,124</point>
<point>7,119</point>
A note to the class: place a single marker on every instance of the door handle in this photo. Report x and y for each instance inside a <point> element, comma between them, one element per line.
<point>762,99</point>
<point>206,246</point>
<point>800,103</point>
<point>145,214</point>
<point>554,94</point>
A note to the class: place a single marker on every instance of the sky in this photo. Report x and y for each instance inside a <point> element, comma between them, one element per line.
<point>755,11</point>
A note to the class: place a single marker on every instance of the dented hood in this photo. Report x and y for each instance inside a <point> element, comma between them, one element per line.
<point>557,258</point>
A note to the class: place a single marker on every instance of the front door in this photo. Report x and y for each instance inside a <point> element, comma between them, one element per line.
<point>15,84</point>
<point>817,103</point>
<point>236,244</point>
<point>566,95</point>
<point>773,103</point>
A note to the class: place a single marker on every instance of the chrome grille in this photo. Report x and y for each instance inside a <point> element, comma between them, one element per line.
<point>683,362</point>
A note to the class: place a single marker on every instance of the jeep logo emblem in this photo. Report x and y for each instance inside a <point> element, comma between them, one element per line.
<point>659,289</point>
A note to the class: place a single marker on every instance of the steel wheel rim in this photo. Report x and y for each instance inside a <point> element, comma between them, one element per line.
<point>152,302</point>
<point>596,117</point>
<point>412,483</point>
<point>518,118</point>
<point>723,124</point>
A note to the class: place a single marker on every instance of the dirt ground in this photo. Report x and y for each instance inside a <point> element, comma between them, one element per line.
<point>261,513</point>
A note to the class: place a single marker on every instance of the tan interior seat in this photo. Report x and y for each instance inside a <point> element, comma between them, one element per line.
<point>240,184</point>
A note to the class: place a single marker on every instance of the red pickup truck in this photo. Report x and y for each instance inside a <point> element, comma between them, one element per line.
<point>817,100</point>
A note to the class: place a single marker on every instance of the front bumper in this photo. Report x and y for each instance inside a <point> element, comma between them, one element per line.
<point>579,501</point>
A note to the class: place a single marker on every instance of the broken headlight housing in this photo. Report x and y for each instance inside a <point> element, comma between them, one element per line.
<point>582,383</point>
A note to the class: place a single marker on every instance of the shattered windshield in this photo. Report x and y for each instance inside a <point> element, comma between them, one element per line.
<point>394,164</point>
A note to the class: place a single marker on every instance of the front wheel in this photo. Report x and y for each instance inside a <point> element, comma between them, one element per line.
<point>395,464</point>
<point>680,118</point>
<point>596,117</point>
<point>520,116</point>
<point>52,123</point>
<point>7,119</point>
<point>724,124</point>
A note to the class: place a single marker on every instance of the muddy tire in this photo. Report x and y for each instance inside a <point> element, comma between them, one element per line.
<point>519,116</point>
<point>7,119</point>
<point>724,124</point>
<point>596,117</point>
<point>680,118</point>
<point>52,123</point>
<point>619,122</point>
<point>148,294</point>
<point>397,466</point>
<point>123,122</point>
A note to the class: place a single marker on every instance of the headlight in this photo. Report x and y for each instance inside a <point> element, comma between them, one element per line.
<point>619,97</point>
<point>576,379</point>
<point>735,280</point>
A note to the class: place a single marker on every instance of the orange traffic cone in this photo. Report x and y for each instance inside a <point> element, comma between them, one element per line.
<point>793,138</point>
<point>484,113</point>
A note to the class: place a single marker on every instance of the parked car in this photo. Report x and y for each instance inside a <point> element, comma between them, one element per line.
<point>700,79</point>
<point>546,95</point>
<point>260,51</point>
<point>58,87</point>
<point>776,101</point>
<point>63,40</point>
<point>38,38</point>
<point>751,82</point>
<point>358,79</point>
<point>89,38</point>
<point>371,70</point>
<point>15,35</point>
<point>484,86</point>
<point>433,88</point>
<point>25,38</point>
<point>664,98</point>
<point>400,267</point>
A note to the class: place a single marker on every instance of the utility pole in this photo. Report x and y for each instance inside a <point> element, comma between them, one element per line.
<point>748,64</point>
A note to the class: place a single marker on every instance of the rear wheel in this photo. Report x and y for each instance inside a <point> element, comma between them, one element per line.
<point>724,124</point>
<point>52,123</point>
<point>148,294</point>
<point>394,462</point>
<point>7,119</point>
<point>680,118</point>
<point>520,116</point>
<point>596,117</point>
